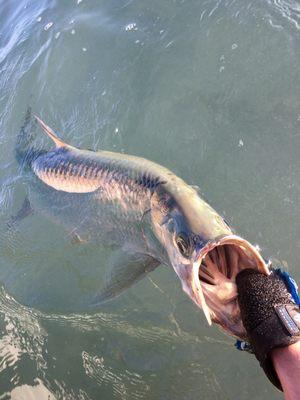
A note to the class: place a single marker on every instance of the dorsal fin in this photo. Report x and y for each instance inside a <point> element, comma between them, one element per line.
<point>58,142</point>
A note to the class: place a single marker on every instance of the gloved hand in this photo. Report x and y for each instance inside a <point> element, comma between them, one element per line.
<point>269,315</point>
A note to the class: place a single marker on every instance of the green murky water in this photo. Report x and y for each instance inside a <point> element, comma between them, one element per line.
<point>210,89</point>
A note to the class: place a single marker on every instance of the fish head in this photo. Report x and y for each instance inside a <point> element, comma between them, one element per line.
<point>205,254</point>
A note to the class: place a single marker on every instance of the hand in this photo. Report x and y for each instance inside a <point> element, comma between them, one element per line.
<point>269,316</point>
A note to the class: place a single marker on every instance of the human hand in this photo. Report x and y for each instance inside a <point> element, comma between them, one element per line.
<point>269,315</point>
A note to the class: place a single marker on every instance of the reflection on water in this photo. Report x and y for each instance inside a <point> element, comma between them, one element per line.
<point>108,362</point>
<point>208,89</point>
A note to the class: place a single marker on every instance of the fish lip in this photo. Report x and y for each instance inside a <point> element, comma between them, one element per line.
<point>196,292</point>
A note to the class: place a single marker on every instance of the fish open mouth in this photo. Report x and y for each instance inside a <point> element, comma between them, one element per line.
<point>213,280</point>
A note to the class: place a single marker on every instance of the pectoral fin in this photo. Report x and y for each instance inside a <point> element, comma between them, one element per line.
<point>124,270</point>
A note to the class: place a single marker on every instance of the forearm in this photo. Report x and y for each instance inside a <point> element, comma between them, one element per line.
<point>286,361</point>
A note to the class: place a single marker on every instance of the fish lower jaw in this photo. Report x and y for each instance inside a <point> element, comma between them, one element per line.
<point>219,263</point>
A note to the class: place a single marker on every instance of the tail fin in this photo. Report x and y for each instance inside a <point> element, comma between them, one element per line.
<point>25,150</point>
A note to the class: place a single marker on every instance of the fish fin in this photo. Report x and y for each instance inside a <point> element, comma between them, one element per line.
<point>24,212</point>
<point>58,142</point>
<point>124,270</point>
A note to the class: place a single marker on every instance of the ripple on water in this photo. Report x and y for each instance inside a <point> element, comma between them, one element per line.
<point>128,384</point>
<point>288,9</point>
<point>25,341</point>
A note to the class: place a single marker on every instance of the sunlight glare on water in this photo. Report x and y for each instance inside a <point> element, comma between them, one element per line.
<point>207,88</point>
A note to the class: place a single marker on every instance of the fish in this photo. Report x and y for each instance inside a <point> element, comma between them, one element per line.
<point>149,214</point>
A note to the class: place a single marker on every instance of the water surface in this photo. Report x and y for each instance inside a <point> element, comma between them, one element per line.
<point>209,89</point>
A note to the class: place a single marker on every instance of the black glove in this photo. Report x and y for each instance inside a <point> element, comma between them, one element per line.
<point>269,315</point>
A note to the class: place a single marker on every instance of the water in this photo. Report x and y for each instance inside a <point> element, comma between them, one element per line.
<point>207,88</point>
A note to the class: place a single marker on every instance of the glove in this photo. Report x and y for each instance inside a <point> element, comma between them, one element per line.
<point>270,316</point>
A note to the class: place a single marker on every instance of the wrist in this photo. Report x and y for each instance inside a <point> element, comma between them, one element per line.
<point>286,361</point>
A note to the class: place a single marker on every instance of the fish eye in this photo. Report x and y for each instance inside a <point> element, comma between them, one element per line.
<point>183,244</point>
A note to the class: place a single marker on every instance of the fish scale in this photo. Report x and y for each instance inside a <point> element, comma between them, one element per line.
<point>70,172</point>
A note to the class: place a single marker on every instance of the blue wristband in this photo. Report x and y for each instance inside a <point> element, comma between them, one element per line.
<point>290,283</point>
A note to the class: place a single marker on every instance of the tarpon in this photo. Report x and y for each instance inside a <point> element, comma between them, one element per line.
<point>150,214</point>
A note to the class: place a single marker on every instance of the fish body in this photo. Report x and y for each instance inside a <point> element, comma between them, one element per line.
<point>90,196</point>
<point>151,214</point>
